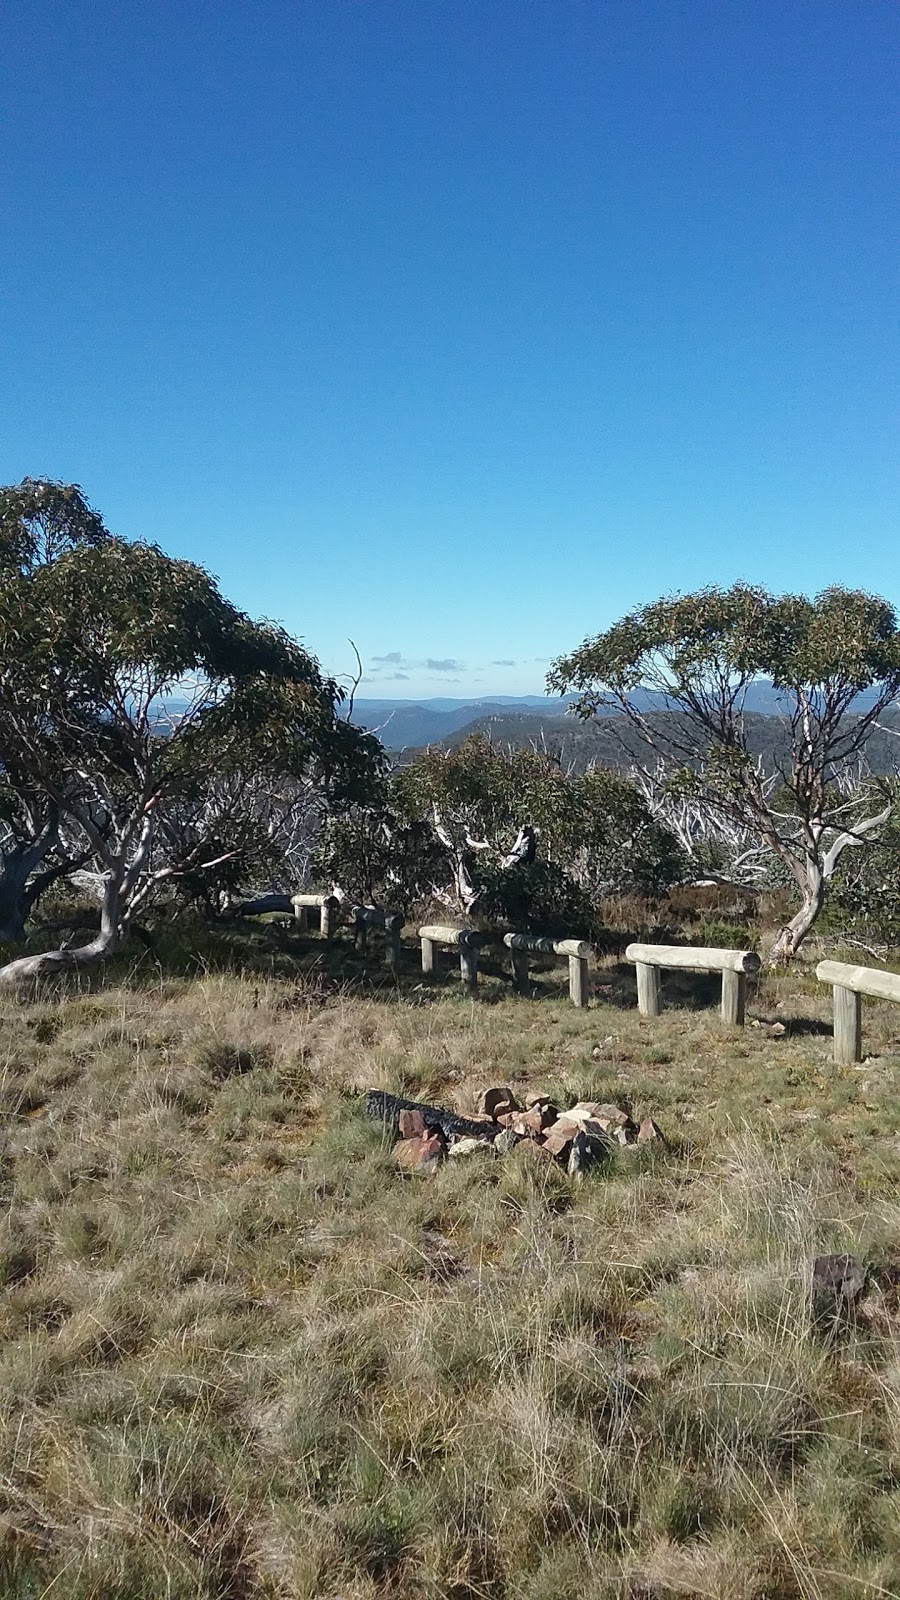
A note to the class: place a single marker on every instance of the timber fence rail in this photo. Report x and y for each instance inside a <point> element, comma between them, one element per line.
<point>326,905</point>
<point>734,965</point>
<point>466,941</point>
<point>850,984</point>
<point>521,945</point>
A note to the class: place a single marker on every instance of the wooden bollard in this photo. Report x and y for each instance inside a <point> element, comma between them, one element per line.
<point>465,940</point>
<point>734,966</point>
<point>649,1004</point>
<point>578,951</point>
<point>849,984</point>
<point>327,906</point>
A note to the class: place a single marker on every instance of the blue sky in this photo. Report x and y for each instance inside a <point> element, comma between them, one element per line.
<point>460,328</point>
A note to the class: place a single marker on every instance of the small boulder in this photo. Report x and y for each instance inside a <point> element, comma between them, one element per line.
<point>507,1140</point>
<point>472,1147</point>
<point>532,1123</point>
<point>558,1138</point>
<point>422,1155</point>
<point>494,1100</point>
<point>837,1284</point>
<point>612,1116</point>
<point>411,1125</point>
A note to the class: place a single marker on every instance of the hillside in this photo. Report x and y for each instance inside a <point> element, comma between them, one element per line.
<point>245,1358</point>
<point>613,741</point>
<point>402,725</point>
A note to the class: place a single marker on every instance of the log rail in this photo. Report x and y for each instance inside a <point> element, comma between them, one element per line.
<point>465,940</point>
<point>734,965</point>
<point>520,945</point>
<point>850,984</point>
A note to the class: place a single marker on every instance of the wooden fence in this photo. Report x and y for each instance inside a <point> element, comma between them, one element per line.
<point>734,965</point>
<point>849,985</point>
<point>520,945</point>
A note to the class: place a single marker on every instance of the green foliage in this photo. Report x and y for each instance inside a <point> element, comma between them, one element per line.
<point>865,897</point>
<point>163,724</point>
<point>699,654</point>
<point>377,859</point>
<point>594,824</point>
<point>841,642</point>
<point>540,898</point>
<point>40,520</point>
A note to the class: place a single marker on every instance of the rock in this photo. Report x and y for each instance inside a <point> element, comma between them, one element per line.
<point>494,1100</point>
<point>580,1111</point>
<point>613,1116</point>
<point>544,1107</point>
<point>411,1125</point>
<point>506,1140</point>
<point>532,1123</point>
<point>837,1283</point>
<point>422,1155</point>
<point>472,1147</point>
<point>557,1139</point>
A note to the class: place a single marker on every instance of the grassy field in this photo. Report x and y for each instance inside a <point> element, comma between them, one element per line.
<point>243,1356</point>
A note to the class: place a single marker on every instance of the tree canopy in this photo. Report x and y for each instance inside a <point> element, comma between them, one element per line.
<point>129,685</point>
<point>835,661</point>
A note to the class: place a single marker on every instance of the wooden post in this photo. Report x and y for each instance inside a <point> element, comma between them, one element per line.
<point>300,917</point>
<point>328,915</point>
<point>360,933</point>
<point>847,1025</point>
<point>734,997</point>
<point>520,969</point>
<point>578,980</point>
<point>468,964</point>
<point>427,954</point>
<point>648,989</point>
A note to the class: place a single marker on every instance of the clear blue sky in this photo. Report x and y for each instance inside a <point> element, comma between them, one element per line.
<point>460,326</point>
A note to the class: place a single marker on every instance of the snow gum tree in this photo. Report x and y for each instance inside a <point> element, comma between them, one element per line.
<point>835,661</point>
<point>503,832</point>
<point>133,686</point>
<point>40,521</point>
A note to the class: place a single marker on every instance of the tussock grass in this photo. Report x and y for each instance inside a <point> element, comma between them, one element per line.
<point>240,1355</point>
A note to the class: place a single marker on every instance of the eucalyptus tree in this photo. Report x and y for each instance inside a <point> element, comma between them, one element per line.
<point>680,671</point>
<point>141,686</point>
<point>501,831</point>
<point>40,521</point>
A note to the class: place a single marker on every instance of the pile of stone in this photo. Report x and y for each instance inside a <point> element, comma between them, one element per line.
<point>576,1139</point>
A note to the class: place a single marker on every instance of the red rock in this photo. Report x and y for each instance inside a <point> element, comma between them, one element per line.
<point>411,1125</point>
<point>494,1100</point>
<point>558,1138</point>
<point>530,1123</point>
<point>421,1155</point>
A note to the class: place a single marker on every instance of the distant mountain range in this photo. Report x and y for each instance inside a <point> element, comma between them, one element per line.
<point>411,724</point>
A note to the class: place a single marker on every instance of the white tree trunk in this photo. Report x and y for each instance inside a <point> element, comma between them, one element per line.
<point>792,935</point>
<point>113,925</point>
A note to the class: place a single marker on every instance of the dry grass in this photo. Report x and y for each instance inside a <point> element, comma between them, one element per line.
<point>242,1356</point>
